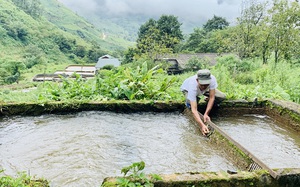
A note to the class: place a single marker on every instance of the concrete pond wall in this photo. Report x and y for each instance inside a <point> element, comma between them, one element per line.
<point>287,113</point>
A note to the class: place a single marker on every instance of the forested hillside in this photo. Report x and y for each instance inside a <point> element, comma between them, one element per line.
<point>35,35</point>
<point>67,20</point>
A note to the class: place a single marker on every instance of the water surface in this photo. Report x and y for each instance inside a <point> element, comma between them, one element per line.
<point>82,149</point>
<point>276,145</point>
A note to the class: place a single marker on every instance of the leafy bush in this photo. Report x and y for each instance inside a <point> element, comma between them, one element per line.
<point>229,61</point>
<point>235,65</point>
<point>225,83</point>
<point>244,78</point>
<point>124,83</point>
<point>135,84</point>
<point>22,180</point>
<point>108,67</point>
<point>65,44</point>
<point>72,88</point>
<point>195,63</point>
<point>133,176</point>
<point>17,32</point>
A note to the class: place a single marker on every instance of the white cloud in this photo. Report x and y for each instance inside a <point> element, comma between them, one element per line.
<point>190,10</point>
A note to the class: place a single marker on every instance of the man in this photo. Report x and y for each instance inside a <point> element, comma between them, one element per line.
<point>203,83</point>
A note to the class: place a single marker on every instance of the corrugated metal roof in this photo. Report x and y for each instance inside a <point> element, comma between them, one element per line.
<point>83,68</point>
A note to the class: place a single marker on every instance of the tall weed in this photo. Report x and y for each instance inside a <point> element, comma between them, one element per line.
<point>135,84</point>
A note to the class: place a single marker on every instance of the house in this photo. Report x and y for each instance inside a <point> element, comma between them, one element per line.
<point>173,65</point>
<point>107,60</point>
<point>184,58</point>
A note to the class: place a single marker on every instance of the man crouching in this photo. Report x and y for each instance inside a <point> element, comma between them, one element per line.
<point>203,83</point>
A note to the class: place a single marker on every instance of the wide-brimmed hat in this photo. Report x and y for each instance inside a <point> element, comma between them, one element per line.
<point>204,76</point>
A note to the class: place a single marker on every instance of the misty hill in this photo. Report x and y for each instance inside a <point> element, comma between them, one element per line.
<point>69,21</point>
<point>124,25</point>
<point>127,26</point>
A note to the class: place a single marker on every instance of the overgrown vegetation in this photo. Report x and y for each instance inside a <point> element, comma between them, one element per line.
<point>123,83</point>
<point>249,79</point>
<point>135,177</point>
<point>21,180</point>
<point>195,63</point>
<point>239,79</point>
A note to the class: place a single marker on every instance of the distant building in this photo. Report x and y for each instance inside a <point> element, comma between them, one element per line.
<point>184,58</point>
<point>107,60</point>
<point>82,70</point>
<point>47,77</point>
<point>173,65</point>
<point>85,71</point>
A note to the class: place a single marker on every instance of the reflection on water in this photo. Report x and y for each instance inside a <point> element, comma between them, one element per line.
<point>275,145</point>
<point>82,149</point>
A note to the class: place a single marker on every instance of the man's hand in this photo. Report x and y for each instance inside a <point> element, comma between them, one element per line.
<point>204,130</point>
<point>206,118</point>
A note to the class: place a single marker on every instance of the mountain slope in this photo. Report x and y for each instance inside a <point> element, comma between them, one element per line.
<point>58,14</point>
<point>19,32</point>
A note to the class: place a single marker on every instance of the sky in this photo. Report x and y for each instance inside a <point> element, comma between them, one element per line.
<point>188,10</point>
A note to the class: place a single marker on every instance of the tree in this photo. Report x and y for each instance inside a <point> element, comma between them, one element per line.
<point>195,39</point>
<point>145,29</point>
<point>129,55</point>
<point>21,4</point>
<point>17,31</point>
<point>263,40</point>
<point>170,26</point>
<point>159,37</point>
<point>80,51</point>
<point>31,7</point>
<point>35,9</point>
<point>216,23</point>
<point>210,38</point>
<point>13,71</point>
<point>65,44</point>
<point>248,26</point>
<point>4,73</point>
<point>154,44</point>
<point>217,41</point>
<point>284,29</point>
<point>95,53</point>
<point>261,32</point>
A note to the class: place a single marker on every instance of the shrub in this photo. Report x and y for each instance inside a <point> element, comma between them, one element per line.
<point>244,78</point>
<point>196,63</point>
<point>133,176</point>
<point>22,180</point>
